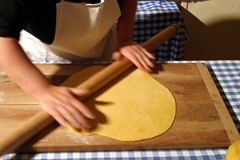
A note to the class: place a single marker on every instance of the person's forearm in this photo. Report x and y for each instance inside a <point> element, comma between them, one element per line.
<point>126,21</point>
<point>19,68</point>
<point>60,102</point>
<point>126,47</point>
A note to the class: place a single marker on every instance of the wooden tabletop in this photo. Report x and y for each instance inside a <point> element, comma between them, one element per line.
<point>202,120</point>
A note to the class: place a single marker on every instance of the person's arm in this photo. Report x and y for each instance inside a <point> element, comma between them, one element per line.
<point>125,46</point>
<point>60,102</point>
<point>126,20</point>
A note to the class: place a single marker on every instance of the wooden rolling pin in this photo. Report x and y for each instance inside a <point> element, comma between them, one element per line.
<point>41,120</point>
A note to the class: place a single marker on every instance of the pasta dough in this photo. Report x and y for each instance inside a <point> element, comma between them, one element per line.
<point>233,152</point>
<point>137,107</point>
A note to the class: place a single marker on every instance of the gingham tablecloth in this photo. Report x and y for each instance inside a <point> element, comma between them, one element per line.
<point>153,16</point>
<point>226,75</point>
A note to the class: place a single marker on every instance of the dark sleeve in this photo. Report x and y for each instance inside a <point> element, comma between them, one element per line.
<point>37,18</point>
<point>41,20</point>
<point>119,3</point>
<point>12,18</point>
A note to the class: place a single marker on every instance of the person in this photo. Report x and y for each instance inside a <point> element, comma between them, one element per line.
<point>74,30</point>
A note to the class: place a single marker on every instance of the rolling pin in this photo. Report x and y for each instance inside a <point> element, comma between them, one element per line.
<point>41,120</point>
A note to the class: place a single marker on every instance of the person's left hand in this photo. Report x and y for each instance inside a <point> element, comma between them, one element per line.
<point>138,55</point>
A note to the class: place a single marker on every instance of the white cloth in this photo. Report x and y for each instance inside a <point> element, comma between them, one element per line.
<point>83,32</point>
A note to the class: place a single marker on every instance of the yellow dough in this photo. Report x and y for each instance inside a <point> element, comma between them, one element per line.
<point>233,152</point>
<point>136,107</point>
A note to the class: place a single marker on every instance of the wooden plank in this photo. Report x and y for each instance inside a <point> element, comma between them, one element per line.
<point>197,123</point>
<point>220,106</point>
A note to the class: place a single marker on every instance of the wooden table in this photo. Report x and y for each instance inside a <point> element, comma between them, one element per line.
<point>202,120</point>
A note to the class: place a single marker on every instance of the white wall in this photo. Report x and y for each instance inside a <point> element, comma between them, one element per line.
<point>213,28</point>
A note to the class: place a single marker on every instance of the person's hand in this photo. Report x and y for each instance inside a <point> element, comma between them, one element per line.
<point>136,54</point>
<point>62,104</point>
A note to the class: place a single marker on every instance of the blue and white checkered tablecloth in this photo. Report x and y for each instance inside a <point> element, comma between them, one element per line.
<point>153,16</point>
<point>226,75</point>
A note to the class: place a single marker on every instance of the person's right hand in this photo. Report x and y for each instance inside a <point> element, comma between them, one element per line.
<point>62,104</point>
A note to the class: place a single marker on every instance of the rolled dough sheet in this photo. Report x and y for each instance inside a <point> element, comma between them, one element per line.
<point>136,107</point>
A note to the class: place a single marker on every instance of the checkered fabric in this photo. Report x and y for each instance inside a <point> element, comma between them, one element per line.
<point>153,16</point>
<point>125,155</point>
<point>226,75</point>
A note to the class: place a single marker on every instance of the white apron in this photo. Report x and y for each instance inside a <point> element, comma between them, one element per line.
<point>84,32</point>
